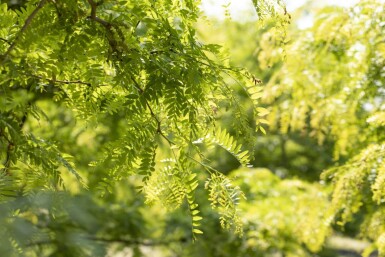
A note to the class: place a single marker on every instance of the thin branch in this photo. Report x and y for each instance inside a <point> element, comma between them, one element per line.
<point>158,130</point>
<point>93,16</point>
<point>208,168</point>
<point>136,26</point>
<point>134,242</point>
<point>6,41</point>
<point>136,84</point>
<point>23,29</point>
<point>72,82</point>
<point>113,43</point>
<point>54,80</point>
<point>108,26</point>
<point>61,81</point>
<point>137,242</point>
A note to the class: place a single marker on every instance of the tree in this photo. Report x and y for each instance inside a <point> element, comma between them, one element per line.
<point>330,87</point>
<point>325,102</point>
<point>113,115</point>
<point>126,88</point>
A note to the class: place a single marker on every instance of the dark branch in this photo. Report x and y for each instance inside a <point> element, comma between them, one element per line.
<point>136,84</point>
<point>6,41</point>
<point>25,26</point>
<point>54,80</point>
<point>93,8</point>
<point>72,82</point>
<point>109,28</point>
<point>93,16</point>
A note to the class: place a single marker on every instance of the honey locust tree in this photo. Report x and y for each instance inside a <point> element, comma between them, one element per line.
<point>331,88</point>
<point>98,98</point>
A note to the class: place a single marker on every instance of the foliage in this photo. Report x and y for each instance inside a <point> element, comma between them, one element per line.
<point>117,127</point>
<point>330,87</point>
<point>105,91</point>
<point>289,154</point>
<point>275,215</point>
<point>325,108</point>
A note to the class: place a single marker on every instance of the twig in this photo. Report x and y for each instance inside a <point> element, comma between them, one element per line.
<point>62,81</point>
<point>136,242</point>
<point>72,82</point>
<point>22,30</point>
<point>116,240</point>
<point>158,130</point>
<point>54,80</point>
<point>6,41</point>
<point>208,168</point>
<point>136,26</point>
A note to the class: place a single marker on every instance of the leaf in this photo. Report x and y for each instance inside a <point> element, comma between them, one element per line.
<point>197,231</point>
<point>196,218</point>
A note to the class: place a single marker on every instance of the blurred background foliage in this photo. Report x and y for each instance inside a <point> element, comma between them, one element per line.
<point>323,87</point>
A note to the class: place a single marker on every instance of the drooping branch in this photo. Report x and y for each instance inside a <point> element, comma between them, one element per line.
<point>22,30</point>
<point>158,130</point>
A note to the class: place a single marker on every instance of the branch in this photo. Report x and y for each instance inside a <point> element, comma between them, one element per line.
<point>53,81</point>
<point>6,41</point>
<point>136,26</point>
<point>71,82</point>
<point>93,8</point>
<point>93,16</point>
<point>158,130</point>
<point>108,26</point>
<point>136,241</point>
<point>23,29</point>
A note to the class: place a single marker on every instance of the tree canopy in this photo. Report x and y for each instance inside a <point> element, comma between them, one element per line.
<point>94,93</point>
<point>125,128</point>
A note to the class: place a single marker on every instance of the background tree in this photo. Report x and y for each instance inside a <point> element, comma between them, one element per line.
<point>325,107</point>
<point>330,88</point>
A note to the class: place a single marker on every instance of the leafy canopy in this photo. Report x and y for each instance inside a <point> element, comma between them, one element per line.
<point>331,88</point>
<point>95,92</point>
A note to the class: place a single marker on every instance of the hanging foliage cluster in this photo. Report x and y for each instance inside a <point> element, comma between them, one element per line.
<point>331,88</point>
<point>95,92</point>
